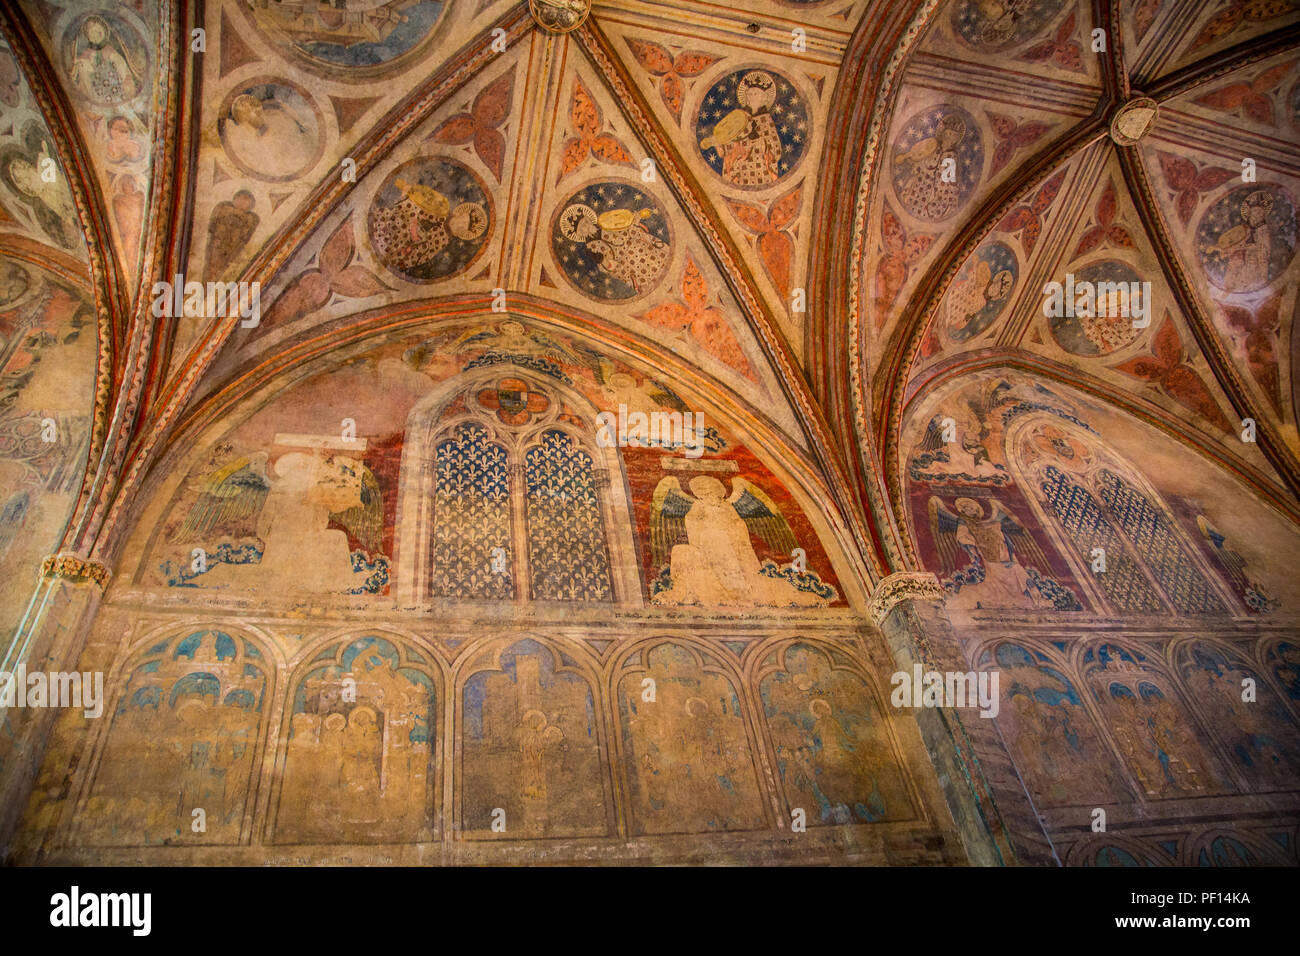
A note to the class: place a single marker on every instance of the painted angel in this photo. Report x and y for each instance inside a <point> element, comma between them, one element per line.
<point>717,565</point>
<point>999,542</point>
<point>290,511</point>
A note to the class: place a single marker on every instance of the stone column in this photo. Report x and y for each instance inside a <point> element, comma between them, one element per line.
<point>49,638</point>
<point>994,814</point>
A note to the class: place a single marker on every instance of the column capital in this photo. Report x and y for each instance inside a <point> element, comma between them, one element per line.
<point>902,586</point>
<point>75,569</point>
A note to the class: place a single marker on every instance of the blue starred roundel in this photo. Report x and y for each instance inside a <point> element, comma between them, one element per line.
<point>752,128</point>
<point>430,219</point>
<point>612,240</point>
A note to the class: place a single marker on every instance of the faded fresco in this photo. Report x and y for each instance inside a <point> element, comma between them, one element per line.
<point>495,426</point>
<point>631,393</point>
<point>47,382</point>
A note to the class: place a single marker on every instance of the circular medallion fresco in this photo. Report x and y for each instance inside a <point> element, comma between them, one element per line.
<point>271,130</point>
<point>105,58</point>
<point>980,292</point>
<point>992,26</point>
<point>612,240</point>
<point>14,281</point>
<point>430,219</point>
<point>1108,324</point>
<point>937,159</point>
<point>1248,238</point>
<point>752,128</point>
<point>353,38</point>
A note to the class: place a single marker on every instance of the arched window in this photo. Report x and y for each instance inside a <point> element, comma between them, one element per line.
<point>566,535</point>
<point>505,495</point>
<point>469,548</point>
<point>1106,516</point>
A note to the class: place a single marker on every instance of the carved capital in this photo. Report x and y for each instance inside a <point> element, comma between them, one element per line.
<point>903,586</point>
<point>76,569</point>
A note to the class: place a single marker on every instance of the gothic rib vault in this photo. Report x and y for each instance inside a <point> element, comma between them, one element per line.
<point>824,228</point>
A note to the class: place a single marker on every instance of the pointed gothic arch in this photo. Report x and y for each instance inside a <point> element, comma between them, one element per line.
<point>460,450</point>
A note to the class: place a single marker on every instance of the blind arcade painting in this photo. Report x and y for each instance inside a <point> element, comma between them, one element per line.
<point>520,432</point>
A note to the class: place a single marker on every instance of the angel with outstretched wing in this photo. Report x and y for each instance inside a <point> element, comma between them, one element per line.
<point>716,564</point>
<point>228,504</point>
<point>364,522</point>
<point>997,541</point>
<point>305,517</point>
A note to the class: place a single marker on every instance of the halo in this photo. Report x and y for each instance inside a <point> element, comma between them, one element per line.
<point>467,221</point>
<point>570,217</point>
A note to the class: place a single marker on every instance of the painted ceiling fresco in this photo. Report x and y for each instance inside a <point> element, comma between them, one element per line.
<point>647,340</point>
<point>36,208</point>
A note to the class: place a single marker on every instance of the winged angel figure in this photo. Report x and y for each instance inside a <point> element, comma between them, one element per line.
<point>717,564</point>
<point>290,514</point>
<point>997,542</point>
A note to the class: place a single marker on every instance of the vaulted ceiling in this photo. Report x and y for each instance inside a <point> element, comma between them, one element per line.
<point>806,256</point>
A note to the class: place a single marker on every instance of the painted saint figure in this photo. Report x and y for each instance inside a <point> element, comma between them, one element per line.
<point>410,234</point>
<point>1247,248</point>
<point>100,66</point>
<point>924,189</point>
<point>747,137</point>
<point>626,249</point>
<point>266,136</point>
<point>972,295</point>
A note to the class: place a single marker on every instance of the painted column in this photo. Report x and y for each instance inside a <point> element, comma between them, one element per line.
<point>49,637</point>
<point>993,813</point>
